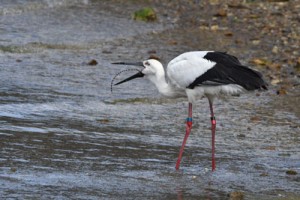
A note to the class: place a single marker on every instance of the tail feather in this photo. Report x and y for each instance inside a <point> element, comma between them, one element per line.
<point>248,78</point>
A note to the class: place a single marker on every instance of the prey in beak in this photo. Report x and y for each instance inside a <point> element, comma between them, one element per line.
<point>137,75</point>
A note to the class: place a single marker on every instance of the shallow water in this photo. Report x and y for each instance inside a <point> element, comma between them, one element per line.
<point>64,135</point>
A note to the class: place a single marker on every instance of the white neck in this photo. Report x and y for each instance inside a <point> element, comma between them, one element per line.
<point>161,84</point>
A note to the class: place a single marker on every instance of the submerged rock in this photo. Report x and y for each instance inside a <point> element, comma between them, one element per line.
<point>291,172</point>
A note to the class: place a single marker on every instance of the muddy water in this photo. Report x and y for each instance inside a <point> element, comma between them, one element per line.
<point>64,135</point>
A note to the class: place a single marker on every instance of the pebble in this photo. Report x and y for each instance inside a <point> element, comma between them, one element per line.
<point>275,50</point>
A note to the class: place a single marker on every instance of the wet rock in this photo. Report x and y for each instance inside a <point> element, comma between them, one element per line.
<point>13,169</point>
<point>214,2</point>
<point>255,42</point>
<point>103,121</point>
<point>291,172</point>
<point>236,195</point>
<point>228,34</point>
<point>214,27</point>
<point>255,119</point>
<point>237,6</point>
<point>297,66</point>
<point>241,135</point>
<point>172,42</point>
<point>238,41</point>
<point>275,81</point>
<point>203,27</point>
<point>281,91</point>
<point>284,154</point>
<point>93,62</point>
<point>270,148</point>
<point>274,66</point>
<point>146,14</point>
<point>154,57</point>
<point>221,13</point>
<point>152,51</point>
<point>107,52</point>
<point>264,174</point>
<point>259,167</point>
<point>275,50</point>
<point>259,61</point>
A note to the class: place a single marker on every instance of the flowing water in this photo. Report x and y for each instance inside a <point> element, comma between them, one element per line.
<point>64,135</point>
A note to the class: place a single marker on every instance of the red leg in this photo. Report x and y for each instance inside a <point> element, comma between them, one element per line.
<point>213,131</point>
<point>189,123</point>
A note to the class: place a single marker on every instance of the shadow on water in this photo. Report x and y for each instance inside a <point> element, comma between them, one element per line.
<point>64,135</point>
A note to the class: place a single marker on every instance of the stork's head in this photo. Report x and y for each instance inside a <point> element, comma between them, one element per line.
<point>151,69</point>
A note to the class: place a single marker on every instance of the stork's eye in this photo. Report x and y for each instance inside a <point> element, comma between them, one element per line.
<point>147,63</point>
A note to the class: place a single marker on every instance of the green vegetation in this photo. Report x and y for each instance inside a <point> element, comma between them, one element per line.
<point>145,14</point>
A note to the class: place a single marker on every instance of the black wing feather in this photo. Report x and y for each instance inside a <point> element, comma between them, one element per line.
<point>228,70</point>
<point>221,57</point>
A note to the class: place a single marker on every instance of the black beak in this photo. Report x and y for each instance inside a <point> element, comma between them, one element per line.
<point>129,63</point>
<point>137,75</point>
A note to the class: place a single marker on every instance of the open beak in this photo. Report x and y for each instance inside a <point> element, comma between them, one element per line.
<point>129,63</point>
<point>137,75</point>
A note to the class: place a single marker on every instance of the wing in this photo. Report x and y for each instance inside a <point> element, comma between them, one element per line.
<point>228,70</point>
<point>222,57</point>
<point>198,68</point>
<point>187,67</point>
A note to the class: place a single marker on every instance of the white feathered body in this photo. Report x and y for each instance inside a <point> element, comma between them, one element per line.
<point>184,69</point>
